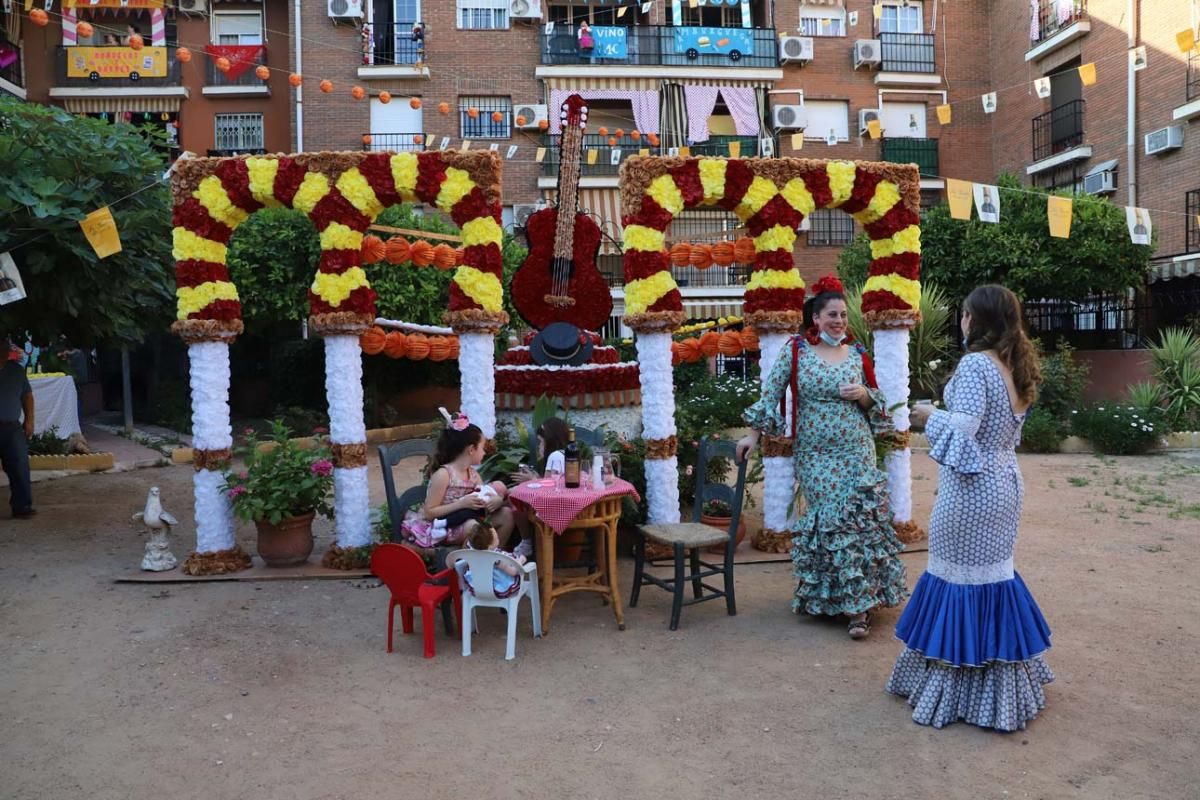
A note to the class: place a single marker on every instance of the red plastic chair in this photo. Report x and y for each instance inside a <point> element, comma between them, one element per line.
<point>403,572</point>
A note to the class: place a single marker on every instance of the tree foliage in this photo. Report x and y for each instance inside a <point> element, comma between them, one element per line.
<point>1019,252</point>
<point>58,168</point>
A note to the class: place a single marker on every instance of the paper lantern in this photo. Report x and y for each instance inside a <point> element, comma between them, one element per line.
<point>681,253</point>
<point>612,141</point>
<point>395,345</point>
<point>619,133</point>
<point>418,139</point>
<point>373,249</point>
<point>421,253</point>
<point>459,253</point>
<point>135,42</point>
<point>358,93</point>
<point>453,346</point>
<point>262,73</point>
<point>497,116</point>
<point>373,341</point>
<point>366,139</point>
<point>743,250</point>
<point>443,108</point>
<point>385,97</point>
<point>603,131</point>
<point>85,30</point>
<point>635,134</point>
<point>521,120</point>
<point>701,256</point>
<point>439,348</point>
<point>729,343</point>
<point>183,55</point>
<point>543,124</point>
<point>710,343</point>
<point>653,139</point>
<point>396,250</point>
<point>417,346</point>
<point>295,79</point>
<point>414,103</point>
<point>39,17</point>
<point>473,112</point>
<point>326,86</point>
<point>689,350</point>
<point>750,340</point>
<point>676,353</point>
<point>223,65</point>
<point>722,253</point>
<point>444,257</point>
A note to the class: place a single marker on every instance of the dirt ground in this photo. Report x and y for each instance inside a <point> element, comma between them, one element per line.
<point>283,690</point>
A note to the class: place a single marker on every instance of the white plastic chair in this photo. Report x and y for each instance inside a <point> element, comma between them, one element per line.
<point>480,563</point>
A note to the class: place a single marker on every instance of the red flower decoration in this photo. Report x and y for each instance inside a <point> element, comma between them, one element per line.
<point>829,283</point>
<point>895,220</point>
<point>773,300</point>
<point>360,301</point>
<point>431,173</point>
<point>906,265</point>
<point>864,189</point>
<point>484,257</point>
<point>737,180</point>
<point>777,211</point>
<point>219,309</point>
<point>652,215</point>
<point>879,300</point>
<point>337,261</point>
<point>817,182</point>
<point>377,169</point>
<point>774,259</point>
<point>235,177</point>
<point>687,179</point>
<point>288,178</point>
<point>192,215</point>
<point>192,272</point>
<point>642,264</point>
<point>473,205</point>
<point>459,300</point>
<point>334,207</point>
<point>671,301</point>
<point>567,382</point>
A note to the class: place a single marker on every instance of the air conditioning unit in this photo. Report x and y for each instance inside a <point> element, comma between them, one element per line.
<point>867,52</point>
<point>865,116</point>
<point>1164,140</point>
<point>522,212</point>
<point>795,48</point>
<point>344,9</point>
<point>525,9</point>
<point>1104,182</point>
<point>192,6</point>
<point>789,117</point>
<point>533,115</point>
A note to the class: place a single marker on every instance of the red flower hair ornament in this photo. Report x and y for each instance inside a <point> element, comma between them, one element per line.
<point>458,421</point>
<point>829,283</point>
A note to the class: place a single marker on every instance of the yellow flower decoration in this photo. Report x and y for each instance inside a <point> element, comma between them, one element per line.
<point>712,179</point>
<point>312,189</point>
<point>404,174</point>
<point>664,192</point>
<point>906,289</point>
<point>187,245</point>
<point>887,194</point>
<point>340,237</point>
<point>456,186</point>
<point>215,200</point>
<point>482,287</point>
<point>905,241</point>
<point>645,292</point>
<point>640,237</point>
<point>480,231</point>
<point>841,181</point>
<point>798,196</point>
<point>777,237</point>
<point>757,195</point>
<point>354,187</point>
<point>775,279</point>
<point>262,180</point>
<point>191,299</point>
<point>335,288</point>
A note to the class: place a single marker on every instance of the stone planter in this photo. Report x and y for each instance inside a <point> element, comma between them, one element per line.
<point>88,462</point>
<point>722,523</point>
<point>290,542</point>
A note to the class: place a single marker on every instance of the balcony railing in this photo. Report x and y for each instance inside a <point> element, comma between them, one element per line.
<point>605,165</point>
<point>922,152</point>
<point>105,78</point>
<point>229,153</point>
<point>395,142</point>
<point>1057,15</point>
<point>1192,207</point>
<point>908,52</point>
<point>1193,76</point>
<point>664,45</point>
<point>401,43</point>
<point>11,71</point>
<point>732,275</point>
<point>1058,130</point>
<point>246,79</point>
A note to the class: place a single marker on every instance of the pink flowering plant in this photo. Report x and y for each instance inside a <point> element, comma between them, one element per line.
<point>280,478</point>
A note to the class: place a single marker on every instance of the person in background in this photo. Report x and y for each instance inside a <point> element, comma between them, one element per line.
<point>16,401</point>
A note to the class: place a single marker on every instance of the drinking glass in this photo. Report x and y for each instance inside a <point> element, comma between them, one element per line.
<point>556,475</point>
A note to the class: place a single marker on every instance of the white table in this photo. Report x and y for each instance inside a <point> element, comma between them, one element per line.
<point>55,403</point>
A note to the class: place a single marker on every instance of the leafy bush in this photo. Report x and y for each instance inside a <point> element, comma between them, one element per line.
<point>1063,382</point>
<point>1042,433</point>
<point>280,480</point>
<point>1176,360</point>
<point>1119,429</point>
<point>48,443</point>
<point>272,259</point>
<point>1145,395</point>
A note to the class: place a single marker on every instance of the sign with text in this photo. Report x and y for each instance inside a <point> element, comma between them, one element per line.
<point>714,40</point>
<point>99,63</point>
<point>611,42</point>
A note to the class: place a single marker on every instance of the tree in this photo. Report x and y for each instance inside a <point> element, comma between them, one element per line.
<point>58,168</point>
<point>1019,252</point>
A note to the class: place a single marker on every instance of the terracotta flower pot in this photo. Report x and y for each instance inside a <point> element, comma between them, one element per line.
<point>290,542</point>
<point>722,523</point>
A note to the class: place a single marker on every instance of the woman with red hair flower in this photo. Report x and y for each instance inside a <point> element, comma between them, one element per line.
<point>843,546</point>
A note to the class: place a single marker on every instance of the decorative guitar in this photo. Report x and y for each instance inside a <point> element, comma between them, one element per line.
<point>559,281</point>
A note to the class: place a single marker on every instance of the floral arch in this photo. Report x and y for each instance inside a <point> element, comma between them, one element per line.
<point>341,193</point>
<point>771,197</point>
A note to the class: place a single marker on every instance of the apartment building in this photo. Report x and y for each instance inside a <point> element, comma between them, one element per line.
<point>81,61</point>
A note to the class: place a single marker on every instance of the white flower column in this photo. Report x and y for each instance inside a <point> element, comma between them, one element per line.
<point>209,378</point>
<point>477,367</point>
<point>343,388</point>
<point>658,423</point>
<point>779,477</point>
<point>891,371</point>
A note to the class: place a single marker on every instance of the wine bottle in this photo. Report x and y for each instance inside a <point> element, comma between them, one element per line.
<point>571,467</point>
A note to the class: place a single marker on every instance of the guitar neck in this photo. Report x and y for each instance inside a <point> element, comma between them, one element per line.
<point>570,166</point>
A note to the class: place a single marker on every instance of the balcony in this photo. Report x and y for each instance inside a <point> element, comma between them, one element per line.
<point>1059,22</point>
<point>116,68</point>
<point>1059,132</point>
<point>908,52</point>
<point>606,166</point>
<point>922,152</point>
<point>1193,76</point>
<point>393,142</point>
<point>395,51</point>
<point>245,84</point>
<point>663,45</point>
<point>1192,220</point>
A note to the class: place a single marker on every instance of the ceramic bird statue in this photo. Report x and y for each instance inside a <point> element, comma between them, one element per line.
<point>158,557</point>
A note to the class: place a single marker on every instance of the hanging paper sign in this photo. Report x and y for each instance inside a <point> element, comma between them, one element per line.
<point>960,195</point>
<point>1058,210</point>
<point>611,42</point>
<point>695,41</point>
<point>989,102</point>
<point>672,151</point>
<point>685,152</point>
<point>944,114</point>
<point>466,144</point>
<point>1042,87</point>
<point>549,28</point>
<point>987,202</point>
<point>1140,228</point>
<point>877,10</point>
<point>494,146</point>
<point>512,151</point>
<point>592,155</point>
<point>645,8</point>
<point>614,158</point>
<point>766,147</point>
<point>1137,58</point>
<point>797,141</point>
<point>98,63</point>
<point>540,156</point>
<point>735,149</point>
<point>853,19</point>
<point>101,231</point>
<point>11,287</point>
<point>873,129</point>
<point>444,143</point>
<point>1186,39</point>
<point>832,138</point>
<point>645,151</point>
<point>1087,73</point>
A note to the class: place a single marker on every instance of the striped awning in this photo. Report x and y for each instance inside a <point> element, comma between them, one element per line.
<point>101,105</point>
<point>604,206</point>
<point>723,81</point>
<point>1182,267</point>
<point>577,83</point>
<point>712,309</point>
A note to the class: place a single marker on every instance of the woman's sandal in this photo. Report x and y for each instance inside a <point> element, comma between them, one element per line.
<point>859,628</point>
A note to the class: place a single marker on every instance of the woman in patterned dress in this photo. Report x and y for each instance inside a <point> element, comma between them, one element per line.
<point>844,549</point>
<point>973,635</point>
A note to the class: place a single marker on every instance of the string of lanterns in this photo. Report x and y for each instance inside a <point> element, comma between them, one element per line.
<point>398,250</point>
<point>414,346</point>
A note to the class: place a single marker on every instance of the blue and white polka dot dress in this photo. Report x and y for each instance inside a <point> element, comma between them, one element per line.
<point>974,635</point>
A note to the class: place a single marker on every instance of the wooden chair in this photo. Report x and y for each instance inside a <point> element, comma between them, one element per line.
<point>691,537</point>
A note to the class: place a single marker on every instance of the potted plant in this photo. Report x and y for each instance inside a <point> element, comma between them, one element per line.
<point>718,514</point>
<point>283,486</point>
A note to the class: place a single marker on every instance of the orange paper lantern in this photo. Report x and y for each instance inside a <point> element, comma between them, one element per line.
<point>473,112</point>
<point>521,120</point>
<point>385,97</point>
<point>543,124</point>
<point>743,250</point>
<point>326,86</point>
<point>262,73</point>
<point>358,93</point>
<point>373,341</point>
<point>612,141</point>
<point>458,256</point>
<point>183,55</point>
<point>366,139</point>
<point>295,79</point>
<point>729,343</point>
<point>39,17</point>
<point>443,108</point>
<point>421,253</point>
<point>722,253</point>
<point>136,42</point>
<point>453,346</point>
<point>653,139</point>
<point>414,103</point>
<point>85,29</point>
<point>444,257</point>
<point>397,250</point>
<point>635,134</point>
<point>603,131</point>
<point>497,116</point>
<point>418,139</point>
<point>681,253</point>
<point>701,256</point>
<point>395,345</point>
<point>222,64</point>
<point>689,350</point>
<point>417,346</point>
<point>710,343</point>
<point>676,353</point>
<point>439,348</point>
<point>749,340</point>
<point>618,133</point>
<point>373,248</point>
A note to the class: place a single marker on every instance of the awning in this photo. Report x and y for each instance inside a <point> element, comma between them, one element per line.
<point>712,309</point>
<point>100,105</point>
<point>578,83</point>
<point>604,206</point>
<point>1179,267</point>
<point>1103,166</point>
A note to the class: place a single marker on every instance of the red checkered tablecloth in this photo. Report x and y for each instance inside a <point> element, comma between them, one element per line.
<point>559,509</point>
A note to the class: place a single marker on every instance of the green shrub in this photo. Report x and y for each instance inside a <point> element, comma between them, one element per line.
<point>1063,382</point>
<point>1119,429</point>
<point>1176,360</point>
<point>48,443</point>
<point>1042,433</point>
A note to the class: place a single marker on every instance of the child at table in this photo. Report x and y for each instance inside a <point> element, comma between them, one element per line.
<point>506,579</point>
<point>552,437</point>
<point>457,495</point>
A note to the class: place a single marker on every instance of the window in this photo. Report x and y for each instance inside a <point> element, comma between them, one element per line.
<point>906,18</point>
<point>239,132</point>
<point>572,13</point>
<point>829,227</point>
<point>241,27</point>
<point>713,16</point>
<point>481,15</point>
<point>822,21</point>
<point>484,125</point>
<point>825,116</point>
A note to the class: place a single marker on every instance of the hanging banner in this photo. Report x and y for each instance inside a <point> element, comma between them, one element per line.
<point>873,129</point>
<point>11,287</point>
<point>1137,57</point>
<point>1140,228</point>
<point>735,149</point>
<point>241,56</point>
<point>711,41</point>
<point>1087,73</point>
<point>1042,87</point>
<point>101,231</point>
<point>945,114</point>
<point>960,195</point>
<point>611,42</point>
<point>989,103</point>
<point>1186,39</point>
<point>797,141</point>
<point>98,63</point>
<point>987,202</point>
<point>1058,209</point>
